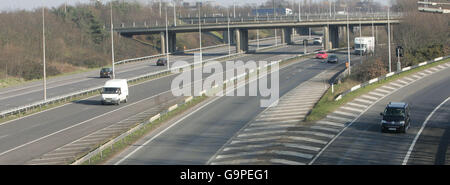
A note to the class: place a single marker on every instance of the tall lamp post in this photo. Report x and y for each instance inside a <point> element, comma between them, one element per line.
<point>112,42</point>
<point>43,51</point>
<point>348,45</point>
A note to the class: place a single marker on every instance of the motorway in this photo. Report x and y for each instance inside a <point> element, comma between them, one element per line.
<point>29,137</point>
<point>32,92</point>
<point>362,143</point>
<point>195,138</point>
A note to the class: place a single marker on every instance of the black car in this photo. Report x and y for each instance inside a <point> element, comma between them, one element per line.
<point>333,59</point>
<point>395,117</point>
<point>161,62</point>
<point>106,73</point>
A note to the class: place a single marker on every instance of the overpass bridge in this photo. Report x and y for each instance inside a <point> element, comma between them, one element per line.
<point>239,31</point>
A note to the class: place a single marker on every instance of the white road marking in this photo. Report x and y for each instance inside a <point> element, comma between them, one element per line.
<point>351,109</point>
<point>286,162</point>
<point>382,90</point>
<point>428,71</point>
<point>417,76</point>
<point>373,93</point>
<point>389,87</point>
<point>325,128</point>
<point>324,122</point>
<point>260,123</point>
<point>369,97</point>
<point>299,146</point>
<point>339,118</point>
<point>281,118</point>
<point>405,160</point>
<point>409,79</point>
<point>240,154</point>
<point>299,138</point>
<point>403,82</point>
<point>238,161</point>
<point>292,153</point>
<point>345,113</point>
<point>275,126</point>
<point>363,101</point>
<point>356,105</point>
<point>284,114</point>
<point>250,146</point>
<point>297,109</point>
<point>256,140</point>
<point>396,84</point>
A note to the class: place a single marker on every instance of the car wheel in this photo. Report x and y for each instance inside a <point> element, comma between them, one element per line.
<point>126,100</point>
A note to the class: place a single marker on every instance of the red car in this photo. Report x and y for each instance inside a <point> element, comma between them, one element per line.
<point>322,55</point>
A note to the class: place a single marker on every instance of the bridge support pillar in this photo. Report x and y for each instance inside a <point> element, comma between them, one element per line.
<point>225,37</point>
<point>163,42</point>
<point>330,37</point>
<point>326,38</point>
<point>286,35</point>
<point>241,40</point>
<point>172,42</point>
<point>334,37</point>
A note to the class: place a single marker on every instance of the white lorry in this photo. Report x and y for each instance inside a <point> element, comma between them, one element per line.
<point>364,45</point>
<point>115,91</point>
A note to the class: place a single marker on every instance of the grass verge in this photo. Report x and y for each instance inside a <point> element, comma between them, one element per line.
<point>327,104</point>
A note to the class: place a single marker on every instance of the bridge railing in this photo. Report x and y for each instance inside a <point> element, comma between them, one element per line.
<point>206,22</point>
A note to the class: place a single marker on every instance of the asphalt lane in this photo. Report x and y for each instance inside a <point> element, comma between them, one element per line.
<point>363,143</point>
<point>32,92</point>
<point>197,138</point>
<point>27,138</point>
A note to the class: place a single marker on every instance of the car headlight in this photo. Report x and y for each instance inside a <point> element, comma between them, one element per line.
<point>382,121</point>
<point>402,122</point>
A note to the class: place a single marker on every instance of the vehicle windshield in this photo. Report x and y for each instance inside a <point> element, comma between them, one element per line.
<point>394,112</point>
<point>111,90</point>
<point>106,70</point>
<point>358,46</point>
<point>332,57</point>
<point>321,52</point>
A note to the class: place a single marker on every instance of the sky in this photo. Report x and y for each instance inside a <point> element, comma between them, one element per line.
<point>8,5</point>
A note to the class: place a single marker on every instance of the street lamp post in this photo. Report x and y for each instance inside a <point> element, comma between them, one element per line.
<point>112,43</point>
<point>43,51</point>
<point>360,35</point>
<point>174,13</point>
<point>200,31</point>
<point>348,45</point>
<point>167,41</point>
<point>389,41</point>
<point>228,28</point>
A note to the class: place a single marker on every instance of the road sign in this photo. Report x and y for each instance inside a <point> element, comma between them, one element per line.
<point>399,51</point>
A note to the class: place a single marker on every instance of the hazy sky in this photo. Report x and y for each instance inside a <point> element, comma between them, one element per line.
<point>31,4</point>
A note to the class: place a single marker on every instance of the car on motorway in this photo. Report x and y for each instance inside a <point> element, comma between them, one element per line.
<point>317,41</point>
<point>396,117</point>
<point>106,73</point>
<point>161,62</point>
<point>333,59</point>
<point>115,91</point>
<point>322,55</point>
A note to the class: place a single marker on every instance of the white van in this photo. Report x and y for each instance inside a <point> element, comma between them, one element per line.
<point>115,91</point>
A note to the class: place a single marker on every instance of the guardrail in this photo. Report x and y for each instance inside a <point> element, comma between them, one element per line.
<point>354,88</point>
<point>236,79</point>
<point>265,18</point>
